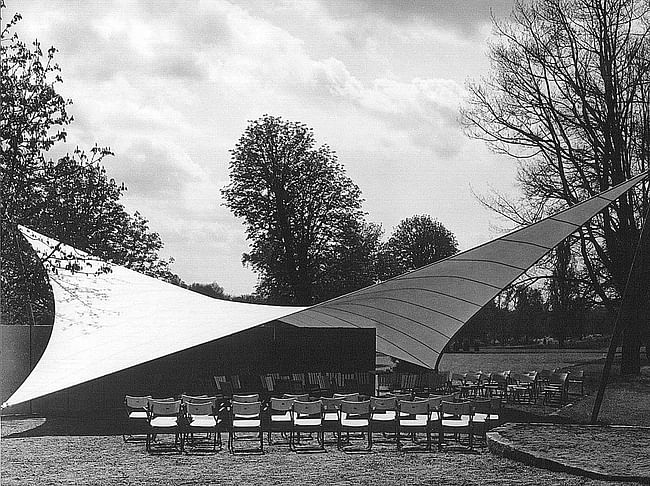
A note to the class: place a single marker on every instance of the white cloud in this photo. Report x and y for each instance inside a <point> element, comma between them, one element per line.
<point>170,87</point>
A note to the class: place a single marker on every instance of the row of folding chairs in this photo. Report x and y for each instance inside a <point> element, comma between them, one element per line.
<point>195,420</point>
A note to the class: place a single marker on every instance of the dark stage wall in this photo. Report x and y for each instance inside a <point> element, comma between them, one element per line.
<point>272,348</point>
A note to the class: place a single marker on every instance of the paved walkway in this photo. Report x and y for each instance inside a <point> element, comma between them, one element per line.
<point>615,453</point>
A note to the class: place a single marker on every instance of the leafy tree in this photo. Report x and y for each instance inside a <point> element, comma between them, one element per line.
<point>568,96</point>
<point>298,207</point>
<point>415,242</point>
<point>213,290</point>
<point>70,198</point>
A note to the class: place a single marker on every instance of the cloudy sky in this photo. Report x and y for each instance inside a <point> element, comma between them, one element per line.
<point>170,87</point>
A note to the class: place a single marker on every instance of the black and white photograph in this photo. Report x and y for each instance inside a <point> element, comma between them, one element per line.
<point>324,242</point>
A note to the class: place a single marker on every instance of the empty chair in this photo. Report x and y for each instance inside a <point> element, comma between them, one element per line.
<point>555,391</point>
<point>306,417</point>
<point>354,417</point>
<point>164,418</point>
<point>456,418</point>
<point>331,408</point>
<point>245,417</point>
<point>481,418</point>
<point>279,416</point>
<point>136,413</point>
<point>383,416</point>
<point>202,417</point>
<point>250,398</point>
<point>497,385</point>
<point>578,378</point>
<point>413,418</point>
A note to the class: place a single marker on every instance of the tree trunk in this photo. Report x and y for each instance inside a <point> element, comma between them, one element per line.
<point>631,350</point>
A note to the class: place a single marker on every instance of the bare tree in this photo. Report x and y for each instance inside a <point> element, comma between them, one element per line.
<point>568,97</point>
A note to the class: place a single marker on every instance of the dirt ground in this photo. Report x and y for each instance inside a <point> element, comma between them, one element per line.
<point>66,451</point>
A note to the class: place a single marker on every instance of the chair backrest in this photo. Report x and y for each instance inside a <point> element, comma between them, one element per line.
<point>383,403</point>
<point>303,397</point>
<point>482,406</point>
<point>458,378</point>
<point>413,407</point>
<point>158,407</point>
<point>200,408</point>
<point>198,399</point>
<point>577,375</point>
<point>253,397</point>
<point>307,408</point>
<point>347,396</point>
<point>136,402</point>
<point>498,378</point>
<point>558,378</point>
<point>355,408</point>
<point>456,408</point>
<point>434,402</point>
<point>472,378</point>
<point>545,374</point>
<point>400,396</point>
<point>331,404</point>
<point>281,404</point>
<point>246,408</point>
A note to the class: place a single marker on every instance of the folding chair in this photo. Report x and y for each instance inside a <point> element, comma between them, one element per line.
<point>413,418</point>
<point>164,418</point>
<point>555,392</point>
<point>136,412</point>
<point>456,417</point>
<point>577,378</point>
<point>307,417</point>
<point>203,417</point>
<point>331,408</point>
<point>245,417</point>
<point>354,417</point>
<point>279,416</point>
<point>383,417</point>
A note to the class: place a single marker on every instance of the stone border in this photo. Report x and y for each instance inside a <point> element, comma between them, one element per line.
<point>500,445</point>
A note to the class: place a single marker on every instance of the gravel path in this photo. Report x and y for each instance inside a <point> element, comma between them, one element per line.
<point>32,457</point>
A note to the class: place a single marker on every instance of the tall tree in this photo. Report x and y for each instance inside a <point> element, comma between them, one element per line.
<point>568,96</point>
<point>297,204</point>
<point>415,242</point>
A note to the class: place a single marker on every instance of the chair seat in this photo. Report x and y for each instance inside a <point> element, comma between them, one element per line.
<point>244,416</point>
<point>418,421</point>
<point>307,422</point>
<point>354,422</point>
<point>242,424</point>
<point>460,422</point>
<point>164,422</point>
<point>331,417</point>
<point>481,417</point>
<point>138,414</point>
<point>285,417</point>
<point>387,416</point>
<point>203,421</point>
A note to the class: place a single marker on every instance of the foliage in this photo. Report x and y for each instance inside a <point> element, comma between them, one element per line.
<point>416,241</point>
<point>300,210</point>
<point>70,198</point>
<point>568,96</point>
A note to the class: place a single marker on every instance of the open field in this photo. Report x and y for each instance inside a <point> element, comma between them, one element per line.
<point>518,360</point>
<point>66,451</point>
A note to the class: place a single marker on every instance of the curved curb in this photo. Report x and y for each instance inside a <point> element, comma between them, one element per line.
<point>502,446</point>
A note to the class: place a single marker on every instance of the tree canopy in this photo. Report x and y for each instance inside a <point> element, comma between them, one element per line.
<point>416,241</point>
<point>568,96</point>
<point>302,213</point>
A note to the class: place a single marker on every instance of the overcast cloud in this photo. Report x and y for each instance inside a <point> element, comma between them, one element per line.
<point>170,86</point>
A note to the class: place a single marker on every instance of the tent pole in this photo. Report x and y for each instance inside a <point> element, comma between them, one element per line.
<point>619,325</point>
